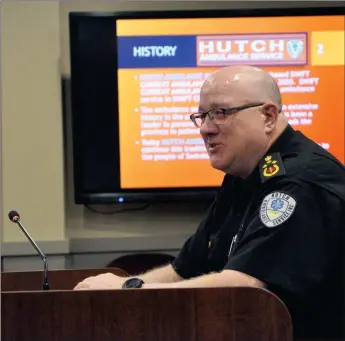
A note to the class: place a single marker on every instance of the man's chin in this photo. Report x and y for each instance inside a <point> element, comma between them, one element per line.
<point>219,165</point>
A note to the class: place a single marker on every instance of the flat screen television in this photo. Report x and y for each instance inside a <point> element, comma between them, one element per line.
<point>135,79</point>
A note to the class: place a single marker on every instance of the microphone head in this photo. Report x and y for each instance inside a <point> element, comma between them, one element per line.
<point>14,216</point>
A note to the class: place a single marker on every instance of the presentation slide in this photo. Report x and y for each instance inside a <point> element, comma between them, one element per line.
<point>163,63</point>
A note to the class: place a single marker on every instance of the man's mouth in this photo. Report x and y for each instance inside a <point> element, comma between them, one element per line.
<point>212,146</point>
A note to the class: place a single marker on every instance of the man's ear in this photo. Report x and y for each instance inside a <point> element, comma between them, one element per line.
<point>270,112</point>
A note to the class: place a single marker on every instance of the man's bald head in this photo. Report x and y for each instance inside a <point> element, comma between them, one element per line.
<point>242,84</point>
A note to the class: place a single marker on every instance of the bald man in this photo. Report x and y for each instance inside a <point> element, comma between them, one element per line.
<point>278,220</point>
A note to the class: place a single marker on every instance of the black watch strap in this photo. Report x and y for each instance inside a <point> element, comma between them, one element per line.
<point>133,283</point>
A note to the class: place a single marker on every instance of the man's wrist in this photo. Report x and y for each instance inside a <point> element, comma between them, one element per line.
<point>160,285</point>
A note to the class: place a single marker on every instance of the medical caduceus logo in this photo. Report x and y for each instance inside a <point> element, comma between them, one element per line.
<point>270,168</point>
<point>295,48</point>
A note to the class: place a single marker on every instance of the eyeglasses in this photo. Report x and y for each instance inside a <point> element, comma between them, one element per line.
<point>218,116</point>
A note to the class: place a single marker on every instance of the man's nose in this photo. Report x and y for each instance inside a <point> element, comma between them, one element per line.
<point>208,127</point>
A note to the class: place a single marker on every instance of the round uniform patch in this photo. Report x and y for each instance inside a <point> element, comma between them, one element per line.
<point>276,208</point>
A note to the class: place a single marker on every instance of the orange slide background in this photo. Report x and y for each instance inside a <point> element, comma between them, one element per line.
<point>328,120</point>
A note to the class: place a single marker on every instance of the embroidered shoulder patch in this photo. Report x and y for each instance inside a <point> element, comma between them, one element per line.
<point>276,208</point>
<point>271,166</point>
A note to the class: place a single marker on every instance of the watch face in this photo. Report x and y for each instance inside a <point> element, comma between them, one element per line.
<point>133,283</point>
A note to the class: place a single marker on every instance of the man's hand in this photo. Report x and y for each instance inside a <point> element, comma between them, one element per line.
<point>105,281</point>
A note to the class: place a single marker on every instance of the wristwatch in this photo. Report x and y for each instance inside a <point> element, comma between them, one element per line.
<point>133,283</point>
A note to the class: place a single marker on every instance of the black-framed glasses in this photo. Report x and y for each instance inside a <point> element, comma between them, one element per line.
<point>218,116</point>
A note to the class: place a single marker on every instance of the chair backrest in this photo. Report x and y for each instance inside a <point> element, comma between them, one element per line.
<point>138,263</point>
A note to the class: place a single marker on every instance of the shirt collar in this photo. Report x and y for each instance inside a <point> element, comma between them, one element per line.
<point>282,144</point>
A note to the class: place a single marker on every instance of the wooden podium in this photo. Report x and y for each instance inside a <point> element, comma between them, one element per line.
<point>203,314</point>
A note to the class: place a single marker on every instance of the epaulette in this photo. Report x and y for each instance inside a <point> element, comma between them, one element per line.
<point>271,166</point>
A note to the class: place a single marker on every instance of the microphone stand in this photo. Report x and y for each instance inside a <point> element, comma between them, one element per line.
<point>44,258</point>
<point>45,285</point>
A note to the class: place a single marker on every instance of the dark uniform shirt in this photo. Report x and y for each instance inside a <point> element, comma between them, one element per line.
<point>287,221</point>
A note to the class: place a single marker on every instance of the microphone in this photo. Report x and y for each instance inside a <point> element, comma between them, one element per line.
<point>15,218</point>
